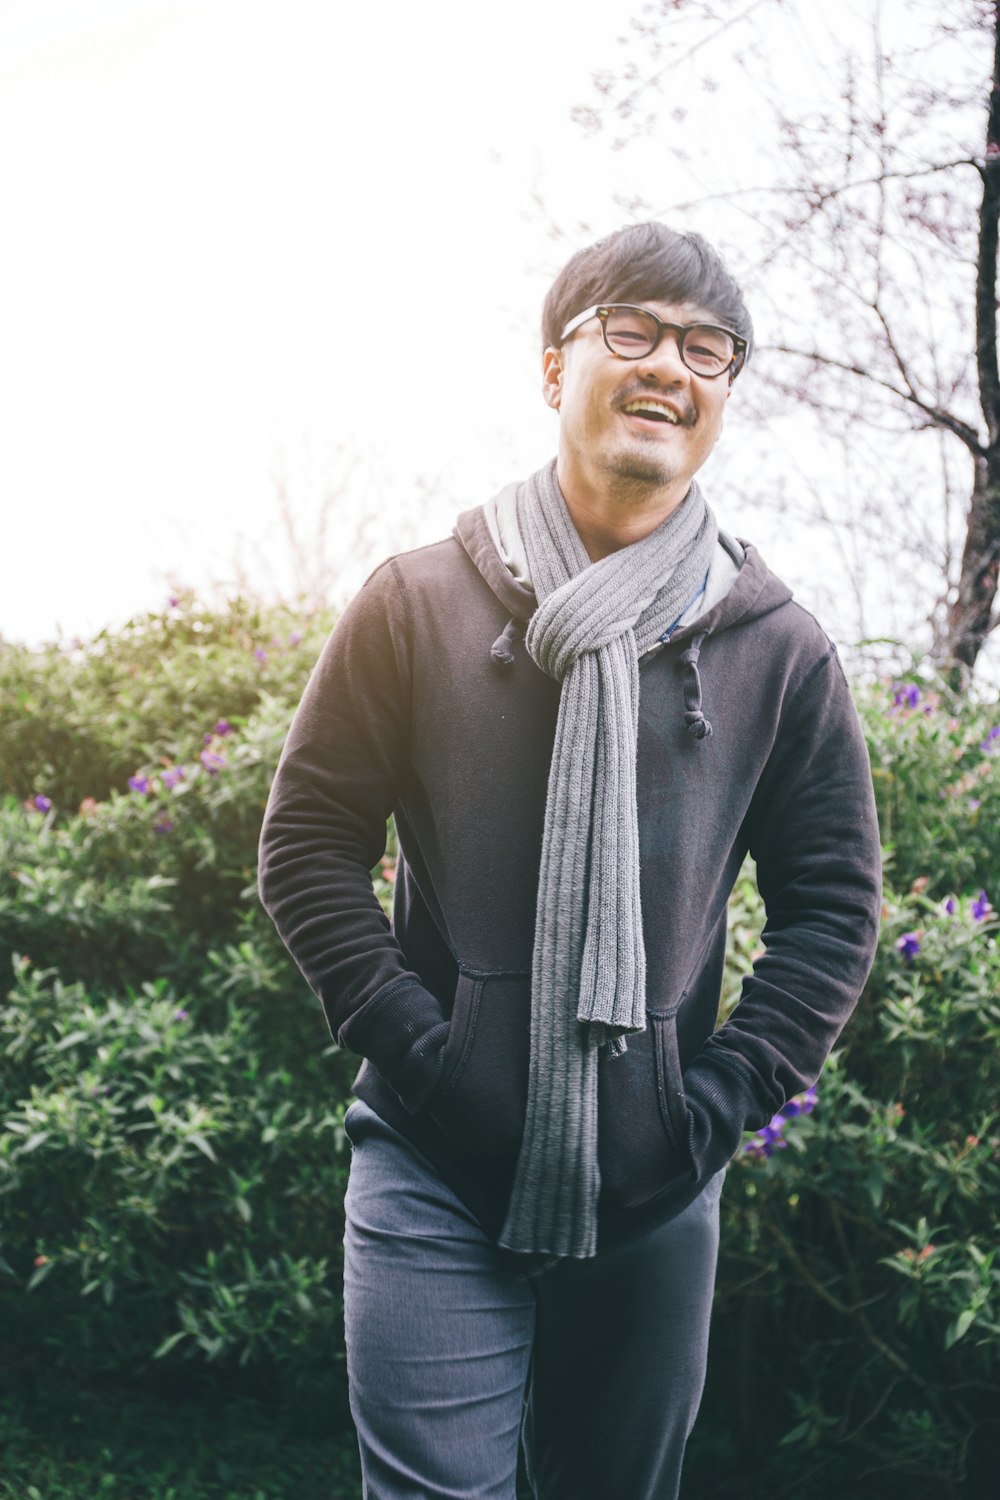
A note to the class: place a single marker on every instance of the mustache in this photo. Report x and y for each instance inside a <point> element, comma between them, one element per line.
<point>686,412</point>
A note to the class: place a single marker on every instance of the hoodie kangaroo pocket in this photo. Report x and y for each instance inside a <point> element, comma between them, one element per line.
<point>481,1098</point>
<point>642,1117</point>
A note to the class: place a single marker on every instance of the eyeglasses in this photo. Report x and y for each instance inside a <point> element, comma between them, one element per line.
<point>633,332</point>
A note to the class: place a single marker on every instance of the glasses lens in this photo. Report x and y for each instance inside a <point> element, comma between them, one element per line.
<point>708,351</point>
<point>630,331</point>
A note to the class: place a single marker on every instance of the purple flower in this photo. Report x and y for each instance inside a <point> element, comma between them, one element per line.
<point>974,804</point>
<point>949,906</point>
<point>139,784</point>
<point>171,776</point>
<point>180,1015</point>
<point>294,638</point>
<point>212,761</point>
<point>981,907</point>
<point>801,1104</point>
<point>909,945</point>
<point>41,802</point>
<point>768,1139</point>
<point>222,726</point>
<point>163,825</point>
<point>260,653</point>
<point>991,738</point>
<point>906,693</point>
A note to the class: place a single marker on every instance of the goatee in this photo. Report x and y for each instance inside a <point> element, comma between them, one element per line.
<point>635,474</point>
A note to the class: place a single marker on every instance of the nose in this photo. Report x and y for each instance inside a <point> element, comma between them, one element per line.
<point>664,364</point>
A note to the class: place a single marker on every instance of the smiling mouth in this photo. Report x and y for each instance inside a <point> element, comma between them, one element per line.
<point>652,411</point>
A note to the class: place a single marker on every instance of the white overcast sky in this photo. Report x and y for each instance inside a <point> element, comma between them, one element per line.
<point>296,247</point>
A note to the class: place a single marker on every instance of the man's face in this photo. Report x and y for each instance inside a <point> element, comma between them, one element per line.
<point>605,443</point>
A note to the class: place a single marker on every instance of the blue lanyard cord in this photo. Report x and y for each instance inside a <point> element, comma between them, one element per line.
<point>664,638</point>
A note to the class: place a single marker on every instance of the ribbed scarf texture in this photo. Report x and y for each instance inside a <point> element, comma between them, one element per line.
<point>588,983</point>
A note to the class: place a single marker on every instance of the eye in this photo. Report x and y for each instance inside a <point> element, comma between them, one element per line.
<point>702,356</point>
<point>630,329</point>
<point>712,347</point>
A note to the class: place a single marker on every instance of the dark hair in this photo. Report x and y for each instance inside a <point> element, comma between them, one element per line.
<point>645,261</point>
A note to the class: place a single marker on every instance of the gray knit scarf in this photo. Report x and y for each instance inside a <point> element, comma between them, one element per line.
<point>588,982</point>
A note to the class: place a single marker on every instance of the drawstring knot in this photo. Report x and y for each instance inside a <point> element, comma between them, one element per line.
<point>502,650</point>
<point>698,727</point>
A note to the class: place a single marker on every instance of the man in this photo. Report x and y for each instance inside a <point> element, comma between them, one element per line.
<point>583,709</point>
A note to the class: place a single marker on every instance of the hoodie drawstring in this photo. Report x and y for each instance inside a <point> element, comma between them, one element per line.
<point>502,650</point>
<point>700,728</point>
<point>697,725</point>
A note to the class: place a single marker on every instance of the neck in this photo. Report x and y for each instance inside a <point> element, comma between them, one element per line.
<point>618,513</point>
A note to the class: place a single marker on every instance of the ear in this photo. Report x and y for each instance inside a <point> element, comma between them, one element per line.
<point>552,375</point>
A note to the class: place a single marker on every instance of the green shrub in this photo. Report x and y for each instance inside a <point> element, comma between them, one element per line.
<point>172,1164</point>
<point>168,1185</point>
<point>78,722</point>
<point>936,768</point>
<point>856,1343</point>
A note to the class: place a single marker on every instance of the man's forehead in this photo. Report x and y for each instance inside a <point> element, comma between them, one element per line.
<point>678,312</point>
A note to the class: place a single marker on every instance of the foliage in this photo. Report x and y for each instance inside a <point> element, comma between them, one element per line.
<point>112,1442</point>
<point>936,768</point>
<point>79,722</point>
<point>163,1179</point>
<point>857,1333</point>
<point>172,1162</point>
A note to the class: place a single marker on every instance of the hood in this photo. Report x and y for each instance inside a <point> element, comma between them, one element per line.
<point>754,592</point>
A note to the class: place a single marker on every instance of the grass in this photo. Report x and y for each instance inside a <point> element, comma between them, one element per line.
<point>105,1442</point>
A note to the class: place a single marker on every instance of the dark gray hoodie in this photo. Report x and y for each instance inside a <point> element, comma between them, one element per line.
<point>425,704</point>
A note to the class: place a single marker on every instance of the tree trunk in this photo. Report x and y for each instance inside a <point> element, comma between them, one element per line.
<point>971,616</point>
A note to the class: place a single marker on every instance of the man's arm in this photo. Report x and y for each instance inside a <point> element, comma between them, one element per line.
<point>814,835</point>
<point>324,829</point>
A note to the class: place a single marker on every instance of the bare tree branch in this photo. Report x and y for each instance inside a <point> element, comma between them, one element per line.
<point>818,196</point>
<point>935,415</point>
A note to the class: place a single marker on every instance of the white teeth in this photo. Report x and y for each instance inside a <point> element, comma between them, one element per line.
<point>638,408</point>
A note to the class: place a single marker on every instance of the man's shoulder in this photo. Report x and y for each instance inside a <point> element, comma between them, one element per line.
<point>433,572</point>
<point>432,560</point>
<point>434,590</point>
<point>777,612</point>
<point>780,639</point>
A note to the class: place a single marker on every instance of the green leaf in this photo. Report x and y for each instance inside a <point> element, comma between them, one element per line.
<point>40,1274</point>
<point>797,1434</point>
<point>70,1041</point>
<point>960,1327</point>
<point>33,1142</point>
<point>875,1183</point>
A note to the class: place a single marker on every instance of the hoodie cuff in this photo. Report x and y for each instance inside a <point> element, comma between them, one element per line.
<point>401,1030</point>
<point>720,1101</point>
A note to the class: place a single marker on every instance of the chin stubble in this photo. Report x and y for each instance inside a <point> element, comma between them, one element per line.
<point>635,474</point>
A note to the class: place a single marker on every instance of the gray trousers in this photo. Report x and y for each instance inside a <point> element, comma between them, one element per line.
<point>447,1346</point>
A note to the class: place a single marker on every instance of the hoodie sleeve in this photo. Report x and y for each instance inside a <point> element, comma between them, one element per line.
<point>324,830</point>
<point>814,834</point>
